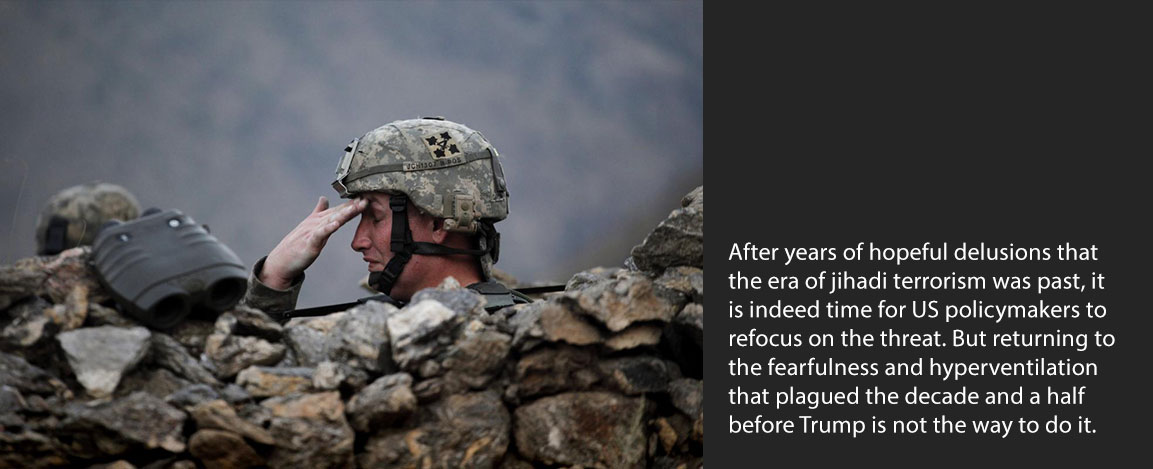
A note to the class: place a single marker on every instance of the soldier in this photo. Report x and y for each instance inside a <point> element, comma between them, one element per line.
<point>428,192</point>
<point>73,216</point>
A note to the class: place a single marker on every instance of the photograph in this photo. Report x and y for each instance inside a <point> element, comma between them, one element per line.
<point>352,234</point>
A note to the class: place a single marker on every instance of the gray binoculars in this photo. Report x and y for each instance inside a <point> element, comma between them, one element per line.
<point>161,266</point>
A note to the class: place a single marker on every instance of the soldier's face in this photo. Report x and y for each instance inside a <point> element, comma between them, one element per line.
<point>374,233</point>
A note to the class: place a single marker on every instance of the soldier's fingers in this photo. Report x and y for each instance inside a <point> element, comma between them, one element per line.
<point>344,212</point>
<point>321,205</point>
<point>320,235</point>
<point>351,210</point>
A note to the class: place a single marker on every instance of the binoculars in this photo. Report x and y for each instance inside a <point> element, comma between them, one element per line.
<point>163,265</point>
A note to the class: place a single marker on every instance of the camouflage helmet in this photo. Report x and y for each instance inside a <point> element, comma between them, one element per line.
<point>74,216</point>
<point>446,169</point>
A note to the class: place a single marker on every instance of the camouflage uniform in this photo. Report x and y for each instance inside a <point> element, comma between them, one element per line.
<point>73,216</point>
<point>445,169</point>
<point>266,298</point>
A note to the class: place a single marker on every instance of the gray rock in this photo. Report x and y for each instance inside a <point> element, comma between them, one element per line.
<point>524,320</point>
<point>11,405</point>
<point>309,431</point>
<point>99,356</point>
<point>465,430</point>
<point>678,240</point>
<point>429,390</point>
<point>217,414</point>
<point>53,277</point>
<point>222,449</point>
<point>416,329</point>
<point>191,395</point>
<point>28,378</point>
<point>360,337</point>
<point>461,300</point>
<point>333,376</point>
<point>289,360</point>
<point>596,429</point>
<point>262,381</point>
<point>35,322</point>
<point>158,382</point>
<point>475,358</point>
<point>192,333</point>
<point>387,400</point>
<point>230,352</point>
<point>636,335</point>
<point>234,394</point>
<point>622,300</point>
<point>559,324</point>
<point>690,281</point>
<point>688,396</point>
<point>585,278</point>
<point>139,420</point>
<point>172,355</point>
<point>30,449</point>
<point>327,376</point>
<point>253,413</point>
<point>102,316</point>
<point>355,337</point>
<point>636,374</point>
<point>307,337</point>
<point>550,370</point>
<point>252,322</point>
<point>29,318</point>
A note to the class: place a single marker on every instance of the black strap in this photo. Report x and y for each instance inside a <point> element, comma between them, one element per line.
<point>400,244</point>
<point>55,236</point>
<point>541,289</point>
<point>325,310</point>
<point>430,249</point>
<point>403,247</point>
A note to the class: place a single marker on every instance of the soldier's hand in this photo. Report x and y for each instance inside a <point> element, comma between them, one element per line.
<point>303,244</point>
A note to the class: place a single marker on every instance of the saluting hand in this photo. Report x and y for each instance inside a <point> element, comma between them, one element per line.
<point>303,244</point>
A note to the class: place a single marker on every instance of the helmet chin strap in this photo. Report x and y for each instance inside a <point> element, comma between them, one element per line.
<point>56,236</point>
<point>403,247</point>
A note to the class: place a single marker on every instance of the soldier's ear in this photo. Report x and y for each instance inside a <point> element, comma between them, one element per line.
<point>439,234</point>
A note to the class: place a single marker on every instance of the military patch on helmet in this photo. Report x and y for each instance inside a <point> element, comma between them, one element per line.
<point>442,145</point>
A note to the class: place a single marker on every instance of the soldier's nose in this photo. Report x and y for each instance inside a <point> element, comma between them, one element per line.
<point>360,240</point>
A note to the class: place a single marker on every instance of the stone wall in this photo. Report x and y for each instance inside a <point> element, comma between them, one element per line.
<point>606,374</point>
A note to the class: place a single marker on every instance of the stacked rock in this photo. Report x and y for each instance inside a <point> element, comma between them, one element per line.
<point>606,374</point>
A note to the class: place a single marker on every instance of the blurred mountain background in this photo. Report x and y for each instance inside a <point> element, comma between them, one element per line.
<point>237,112</point>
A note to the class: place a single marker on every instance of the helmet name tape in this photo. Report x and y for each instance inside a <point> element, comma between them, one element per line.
<point>413,166</point>
<point>442,163</point>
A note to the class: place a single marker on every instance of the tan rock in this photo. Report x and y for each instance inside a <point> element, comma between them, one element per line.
<point>219,415</point>
<point>218,449</point>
